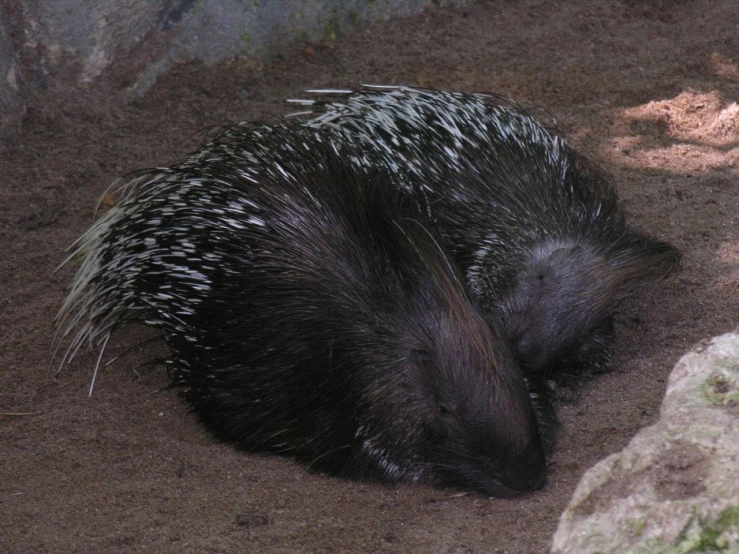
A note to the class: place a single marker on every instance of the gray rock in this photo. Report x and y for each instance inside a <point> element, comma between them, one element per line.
<point>675,487</point>
<point>79,40</point>
<point>87,37</point>
<point>68,44</point>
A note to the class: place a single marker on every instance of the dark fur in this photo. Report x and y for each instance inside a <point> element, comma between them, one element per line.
<point>537,230</point>
<point>564,256</point>
<point>334,331</point>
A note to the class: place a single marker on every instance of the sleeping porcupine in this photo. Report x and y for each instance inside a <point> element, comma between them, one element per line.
<point>309,311</point>
<point>536,229</point>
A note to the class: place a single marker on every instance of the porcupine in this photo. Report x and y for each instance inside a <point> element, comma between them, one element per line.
<point>537,230</point>
<point>309,311</point>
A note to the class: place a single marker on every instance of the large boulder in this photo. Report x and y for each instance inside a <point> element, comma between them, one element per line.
<point>675,487</point>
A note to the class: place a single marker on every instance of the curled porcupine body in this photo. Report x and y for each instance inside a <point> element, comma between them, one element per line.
<point>538,231</point>
<point>309,310</point>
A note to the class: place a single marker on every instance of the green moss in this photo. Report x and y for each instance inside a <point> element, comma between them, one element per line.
<point>709,536</point>
<point>331,29</point>
<point>728,519</point>
<point>707,541</point>
<point>636,526</point>
<point>353,19</point>
<point>720,391</point>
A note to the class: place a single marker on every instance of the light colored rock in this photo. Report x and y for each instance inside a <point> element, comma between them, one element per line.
<point>89,35</point>
<point>78,40</point>
<point>67,44</point>
<point>675,487</point>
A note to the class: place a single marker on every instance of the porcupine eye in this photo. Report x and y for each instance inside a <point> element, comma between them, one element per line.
<point>424,363</point>
<point>444,410</point>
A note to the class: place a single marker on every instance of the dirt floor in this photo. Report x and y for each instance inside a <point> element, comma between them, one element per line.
<point>646,88</point>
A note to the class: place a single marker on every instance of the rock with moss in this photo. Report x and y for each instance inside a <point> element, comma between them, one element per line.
<point>675,487</point>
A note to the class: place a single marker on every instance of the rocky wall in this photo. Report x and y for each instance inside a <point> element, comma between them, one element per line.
<point>77,43</point>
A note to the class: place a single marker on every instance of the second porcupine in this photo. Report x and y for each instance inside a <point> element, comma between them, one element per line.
<point>538,230</point>
<point>311,313</point>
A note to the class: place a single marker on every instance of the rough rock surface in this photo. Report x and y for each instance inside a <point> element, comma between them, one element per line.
<point>78,41</point>
<point>675,487</point>
<point>70,44</point>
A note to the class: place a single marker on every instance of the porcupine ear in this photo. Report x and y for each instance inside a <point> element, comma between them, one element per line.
<point>626,259</point>
<point>638,260</point>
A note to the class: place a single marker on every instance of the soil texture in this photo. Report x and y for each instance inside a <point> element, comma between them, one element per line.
<point>647,89</point>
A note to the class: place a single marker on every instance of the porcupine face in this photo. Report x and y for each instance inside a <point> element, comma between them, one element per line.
<point>451,413</point>
<point>558,313</point>
<point>481,429</point>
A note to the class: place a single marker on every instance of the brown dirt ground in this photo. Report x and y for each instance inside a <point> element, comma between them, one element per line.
<point>647,88</point>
